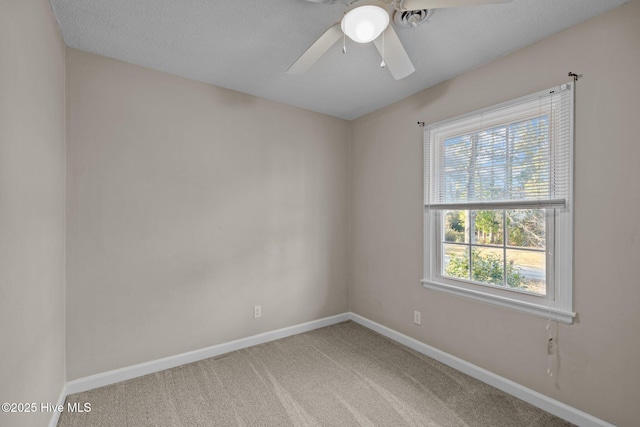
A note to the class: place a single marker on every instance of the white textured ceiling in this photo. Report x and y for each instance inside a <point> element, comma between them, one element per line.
<point>247,45</point>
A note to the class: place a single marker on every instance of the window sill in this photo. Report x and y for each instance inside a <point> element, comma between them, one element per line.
<point>543,311</point>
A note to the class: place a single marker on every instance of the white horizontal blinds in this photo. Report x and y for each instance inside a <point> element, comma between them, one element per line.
<point>561,165</point>
<point>513,155</point>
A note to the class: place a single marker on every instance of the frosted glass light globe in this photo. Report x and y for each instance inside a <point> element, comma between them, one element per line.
<point>365,23</point>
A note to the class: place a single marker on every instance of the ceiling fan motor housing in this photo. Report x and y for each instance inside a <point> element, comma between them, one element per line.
<point>410,18</point>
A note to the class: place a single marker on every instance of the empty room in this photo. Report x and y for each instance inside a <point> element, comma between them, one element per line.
<point>319,213</point>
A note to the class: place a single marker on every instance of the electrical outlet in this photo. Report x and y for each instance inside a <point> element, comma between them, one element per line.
<point>257,311</point>
<point>417,318</point>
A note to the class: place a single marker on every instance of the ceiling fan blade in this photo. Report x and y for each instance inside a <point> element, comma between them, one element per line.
<point>439,4</point>
<point>316,50</point>
<point>393,54</point>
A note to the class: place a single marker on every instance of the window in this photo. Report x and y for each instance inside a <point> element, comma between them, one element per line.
<point>498,205</point>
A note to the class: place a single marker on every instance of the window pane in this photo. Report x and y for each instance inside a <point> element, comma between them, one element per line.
<point>505,162</point>
<point>487,265</point>
<point>488,227</point>
<point>526,270</point>
<point>455,227</point>
<point>526,228</point>
<point>455,261</point>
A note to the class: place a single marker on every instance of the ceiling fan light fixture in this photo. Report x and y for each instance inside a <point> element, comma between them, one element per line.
<point>365,23</point>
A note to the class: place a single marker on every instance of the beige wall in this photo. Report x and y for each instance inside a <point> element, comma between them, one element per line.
<point>189,204</point>
<point>32,207</point>
<point>599,354</point>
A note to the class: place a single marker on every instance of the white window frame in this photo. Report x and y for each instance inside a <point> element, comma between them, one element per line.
<point>557,304</point>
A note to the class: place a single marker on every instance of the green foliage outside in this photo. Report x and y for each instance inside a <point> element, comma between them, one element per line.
<point>489,229</point>
<point>525,227</point>
<point>454,226</point>
<point>486,268</point>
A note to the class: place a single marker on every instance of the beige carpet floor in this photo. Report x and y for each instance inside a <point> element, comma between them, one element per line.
<point>342,375</point>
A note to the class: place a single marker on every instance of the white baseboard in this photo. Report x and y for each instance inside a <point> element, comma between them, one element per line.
<point>55,416</point>
<point>539,400</point>
<point>123,374</point>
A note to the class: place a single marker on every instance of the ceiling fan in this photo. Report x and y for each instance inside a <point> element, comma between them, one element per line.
<point>367,21</point>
